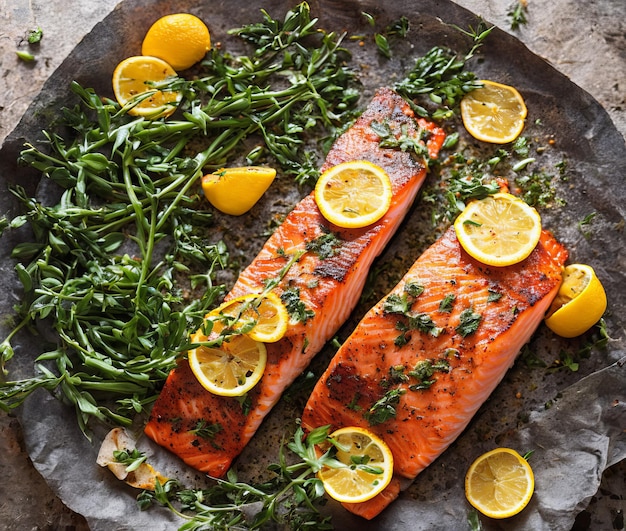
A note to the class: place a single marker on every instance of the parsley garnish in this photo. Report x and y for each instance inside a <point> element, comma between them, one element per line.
<point>401,305</point>
<point>295,306</point>
<point>446,304</point>
<point>325,246</point>
<point>395,303</point>
<point>384,408</point>
<point>133,459</point>
<point>396,376</point>
<point>469,321</point>
<point>401,140</point>
<point>413,289</point>
<point>423,372</point>
<point>206,431</point>
<point>493,296</point>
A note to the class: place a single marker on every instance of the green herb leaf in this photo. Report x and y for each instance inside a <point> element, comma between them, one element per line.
<point>447,303</point>
<point>384,408</point>
<point>35,36</point>
<point>325,246</point>
<point>517,14</point>
<point>25,56</point>
<point>469,321</point>
<point>295,306</point>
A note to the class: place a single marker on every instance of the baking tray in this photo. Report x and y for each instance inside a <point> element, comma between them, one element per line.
<point>575,440</point>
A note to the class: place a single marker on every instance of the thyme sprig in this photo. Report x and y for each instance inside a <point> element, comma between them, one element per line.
<point>440,75</point>
<point>293,494</point>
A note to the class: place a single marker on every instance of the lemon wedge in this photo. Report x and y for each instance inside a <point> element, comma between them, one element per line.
<point>579,304</point>
<point>234,191</point>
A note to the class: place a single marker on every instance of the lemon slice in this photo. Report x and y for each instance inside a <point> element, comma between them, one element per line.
<point>499,483</point>
<point>494,113</point>
<point>368,466</point>
<point>579,304</point>
<point>134,76</point>
<point>499,230</point>
<point>180,39</point>
<point>353,194</point>
<point>233,369</point>
<point>234,191</point>
<point>262,317</point>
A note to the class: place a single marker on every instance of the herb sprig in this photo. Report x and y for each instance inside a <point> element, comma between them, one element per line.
<point>293,495</point>
<point>441,76</point>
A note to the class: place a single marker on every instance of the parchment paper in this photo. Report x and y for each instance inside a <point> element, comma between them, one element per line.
<point>573,441</point>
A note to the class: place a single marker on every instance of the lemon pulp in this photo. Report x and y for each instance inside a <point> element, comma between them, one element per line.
<point>499,230</point>
<point>494,113</point>
<point>500,483</point>
<point>138,75</point>
<point>353,194</point>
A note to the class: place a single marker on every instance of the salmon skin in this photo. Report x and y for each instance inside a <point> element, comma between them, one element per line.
<point>322,286</point>
<point>424,359</point>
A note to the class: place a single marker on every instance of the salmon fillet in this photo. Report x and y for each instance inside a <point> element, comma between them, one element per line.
<point>325,287</point>
<point>424,359</point>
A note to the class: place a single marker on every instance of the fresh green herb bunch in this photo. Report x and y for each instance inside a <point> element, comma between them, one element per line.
<point>292,496</point>
<point>109,267</point>
<point>441,76</point>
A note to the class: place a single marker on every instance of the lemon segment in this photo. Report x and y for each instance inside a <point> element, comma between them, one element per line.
<point>494,113</point>
<point>137,75</point>
<point>263,317</point>
<point>179,39</point>
<point>368,466</point>
<point>500,483</point>
<point>579,304</point>
<point>234,191</point>
<point>233,369</point>
<point>353,194</point>
<point>499,230</point>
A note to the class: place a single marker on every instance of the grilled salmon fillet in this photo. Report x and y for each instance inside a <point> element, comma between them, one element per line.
<point>325,287</point>
<point>427,356</point>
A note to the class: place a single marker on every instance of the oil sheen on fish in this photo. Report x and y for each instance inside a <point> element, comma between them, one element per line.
<point>424,359</point>
<point>325,284</point>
